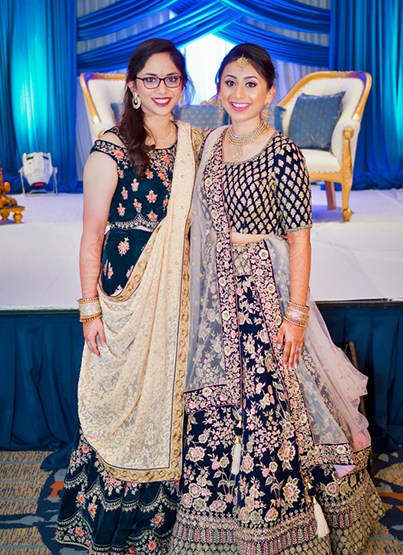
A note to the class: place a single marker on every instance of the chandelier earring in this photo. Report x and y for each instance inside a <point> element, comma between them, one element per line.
<point>221,110</point>
<point>136,101</point>
<point>265,112</point>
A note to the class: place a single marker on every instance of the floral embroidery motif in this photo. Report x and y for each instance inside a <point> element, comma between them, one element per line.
<point>118,153</point>
<point>124,246</point>
<point>153,217</point>
<point>137,205</point>
<point>121,209</point>
<point>135,185</point>
<point>151,197</point>
<point>125,194</point>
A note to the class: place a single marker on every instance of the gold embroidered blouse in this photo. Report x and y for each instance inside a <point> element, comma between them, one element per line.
<point>270,192</point>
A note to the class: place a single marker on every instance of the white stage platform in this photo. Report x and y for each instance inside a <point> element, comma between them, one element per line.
<point>361,259</point>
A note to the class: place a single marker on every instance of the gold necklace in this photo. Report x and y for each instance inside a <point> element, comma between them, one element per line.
<point>155,139</point>
<point>240,140</point>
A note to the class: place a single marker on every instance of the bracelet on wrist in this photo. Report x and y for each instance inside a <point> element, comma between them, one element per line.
<point>299,324</point>
<point>90,309</point>
<point>96,317</point>
<point>300,307</point>
<point>297,314</point>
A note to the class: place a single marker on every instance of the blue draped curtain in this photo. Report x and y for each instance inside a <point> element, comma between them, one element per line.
<point>38,87</point>
<point>38,84</point>
<point>368,36</point>
<point>38,41</point>
<point>196,18</point>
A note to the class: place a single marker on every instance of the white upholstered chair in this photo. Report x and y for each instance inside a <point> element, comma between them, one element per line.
<point>102,92</point>
<point>336,165</point>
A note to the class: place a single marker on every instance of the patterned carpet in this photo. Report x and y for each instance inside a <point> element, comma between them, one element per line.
<point>29,501</point>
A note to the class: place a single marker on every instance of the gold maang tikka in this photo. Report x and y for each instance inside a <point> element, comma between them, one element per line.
<point>242,62</point>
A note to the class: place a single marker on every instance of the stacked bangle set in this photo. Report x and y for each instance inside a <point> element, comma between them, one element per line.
<point>297,314</point>
<point>90,309</point>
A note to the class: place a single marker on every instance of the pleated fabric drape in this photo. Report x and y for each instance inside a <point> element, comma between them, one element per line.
<point>368,36</point>
<point>38,86</point>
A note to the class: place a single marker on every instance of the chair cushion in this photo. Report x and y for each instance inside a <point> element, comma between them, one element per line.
<point>203,115</point>
<point>320,161</point>
<point>275,118</point>
<point>313,120</point>
<point>117,109</point>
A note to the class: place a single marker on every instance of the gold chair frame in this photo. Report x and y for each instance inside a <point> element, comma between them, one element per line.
<point>88,76</point>
<point>345,174</point>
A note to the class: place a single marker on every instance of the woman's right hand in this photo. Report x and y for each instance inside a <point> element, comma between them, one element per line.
<point>91,330</point>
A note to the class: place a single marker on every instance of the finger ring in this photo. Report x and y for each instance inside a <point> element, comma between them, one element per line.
<point>299,348</point>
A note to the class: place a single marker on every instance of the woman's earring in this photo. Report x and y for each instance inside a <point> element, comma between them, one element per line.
<point>221,109</point>
<point>265,113</point>
<point>136,101</point>
<point>180,103</point>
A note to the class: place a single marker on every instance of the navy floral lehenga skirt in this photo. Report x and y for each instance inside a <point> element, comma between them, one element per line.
<point>264,510</point>
<point>108,515</point>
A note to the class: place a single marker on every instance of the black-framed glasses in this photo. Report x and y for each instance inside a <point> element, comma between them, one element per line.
<point>172,81</point>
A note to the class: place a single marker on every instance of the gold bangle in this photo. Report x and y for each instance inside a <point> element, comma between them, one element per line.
<point>302,308</point>
<point>95,317</point>
<point>297,314</point>
<point>89,309</point>
<point>90,299</point>
<point>299,324</point>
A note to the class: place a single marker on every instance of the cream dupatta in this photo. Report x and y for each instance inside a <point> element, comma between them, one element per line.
<point>131,398</point>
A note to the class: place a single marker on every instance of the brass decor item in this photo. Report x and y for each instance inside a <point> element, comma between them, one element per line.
<point>7,203</point>
<point>240,140</point>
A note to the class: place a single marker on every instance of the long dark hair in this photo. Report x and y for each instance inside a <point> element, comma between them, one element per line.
<point>131,125</point>
<point>256,55</point>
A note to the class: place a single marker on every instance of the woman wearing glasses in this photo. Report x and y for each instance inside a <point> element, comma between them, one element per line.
<point>120,490</point>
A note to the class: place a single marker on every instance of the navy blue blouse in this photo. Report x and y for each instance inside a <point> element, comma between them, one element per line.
<point>136,203</point>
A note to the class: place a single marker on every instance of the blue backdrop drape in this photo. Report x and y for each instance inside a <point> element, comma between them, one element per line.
<point>38,41</point>
<point>195,18</point>
<point>38,84</point>
<point>368,36</point>
<point>38,96</point>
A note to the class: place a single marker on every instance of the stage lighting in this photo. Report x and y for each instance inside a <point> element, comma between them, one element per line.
<point>39,174</point>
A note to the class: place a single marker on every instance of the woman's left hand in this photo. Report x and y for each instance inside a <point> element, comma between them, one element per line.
<point>292,337</point>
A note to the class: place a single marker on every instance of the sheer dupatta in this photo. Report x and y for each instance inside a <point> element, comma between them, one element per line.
<point>330,427</point>
<point>131,398</point>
